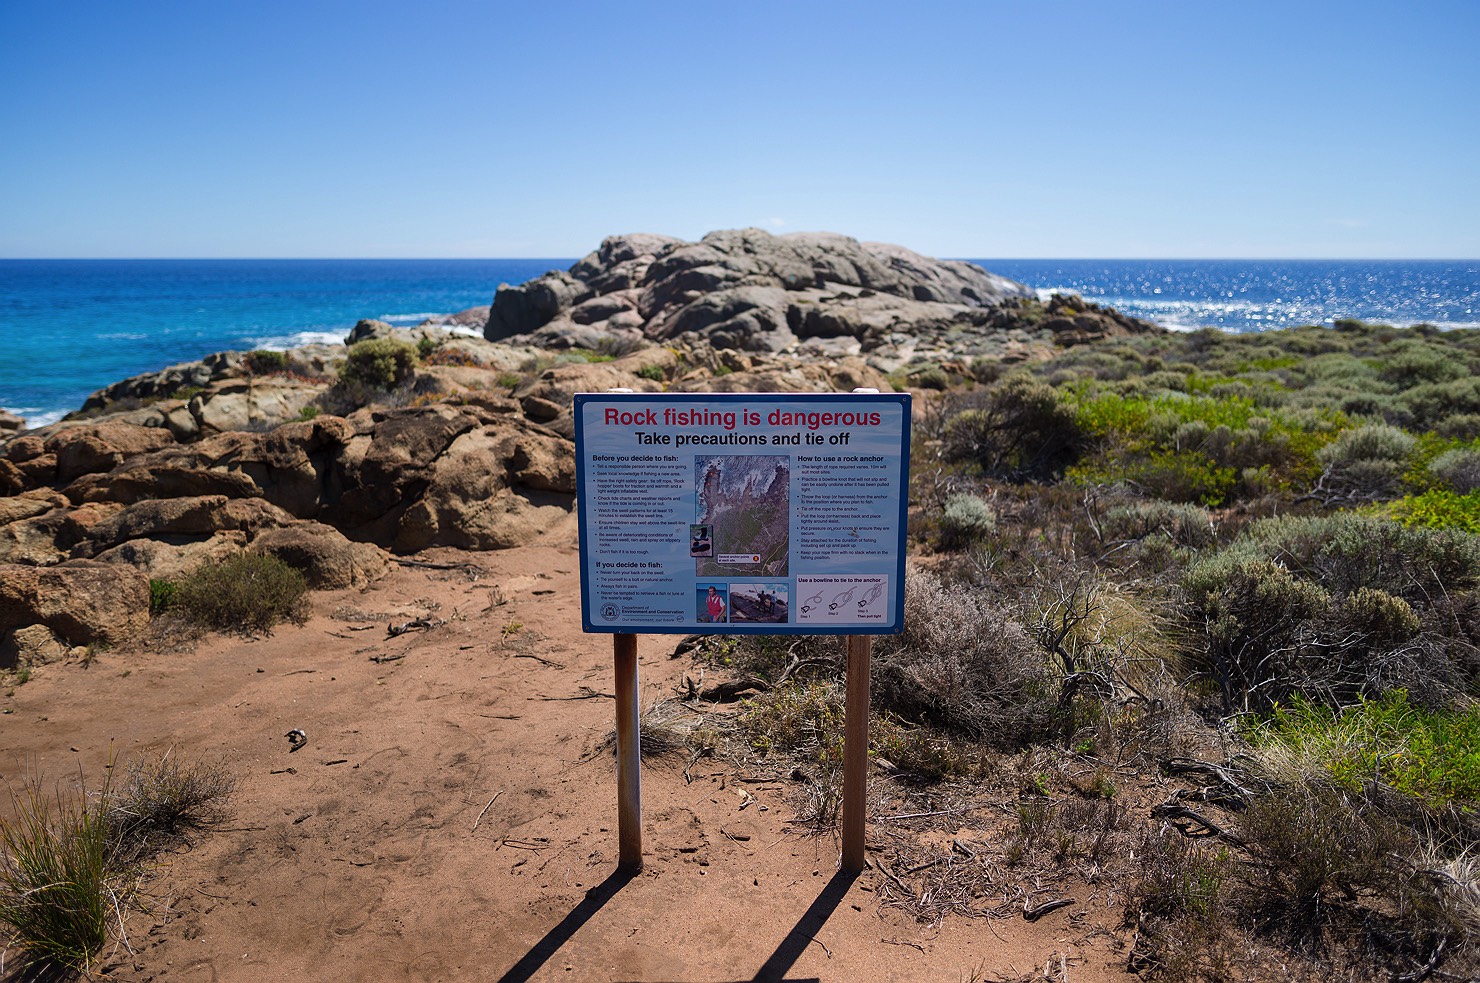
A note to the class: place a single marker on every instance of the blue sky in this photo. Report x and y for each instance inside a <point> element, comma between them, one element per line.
<point>1096,129</point>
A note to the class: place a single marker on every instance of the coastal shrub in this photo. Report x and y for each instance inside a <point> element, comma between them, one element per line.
<point>379,363</point>
<point>966,519</point>
<point>1308,845</point>
<point>55,895</point>
<point>425,345</point>
<point>1461,426</point>
<point>964,666</point>
<point>1016,429</point>
<point>1329,608</point>
<point>1365,462</point>
<point>1430,404</point>
<point>1377,442</point>
<point>1347,551</point>
<point>1183,524</point>
<point>1415,363</point>
<point>1458,469</point>
<point>653,373</point>
<point>264,362</point>
<point>246,592</point>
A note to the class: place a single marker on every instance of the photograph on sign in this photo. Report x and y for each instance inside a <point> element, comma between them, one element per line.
<point>754,512</point>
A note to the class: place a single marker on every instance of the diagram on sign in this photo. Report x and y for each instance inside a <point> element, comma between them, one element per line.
<point>842,600</point>
<point>743,502</point>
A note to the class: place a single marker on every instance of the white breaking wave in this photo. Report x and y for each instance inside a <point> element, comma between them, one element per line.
<point>411,317</point>
<point>279,343</point>
<point>34,416</point>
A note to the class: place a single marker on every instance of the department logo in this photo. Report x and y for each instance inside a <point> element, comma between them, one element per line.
<point>610,612</point>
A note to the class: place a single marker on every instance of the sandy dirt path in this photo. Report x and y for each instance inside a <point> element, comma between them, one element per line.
<point>452,816</point>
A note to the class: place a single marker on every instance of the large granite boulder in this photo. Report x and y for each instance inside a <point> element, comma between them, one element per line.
<point>743,289</point>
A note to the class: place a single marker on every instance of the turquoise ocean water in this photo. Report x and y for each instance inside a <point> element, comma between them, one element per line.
<point>74,326</point>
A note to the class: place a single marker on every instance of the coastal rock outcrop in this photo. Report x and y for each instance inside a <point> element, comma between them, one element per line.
<point>81,601</point>
<point>745,289</point>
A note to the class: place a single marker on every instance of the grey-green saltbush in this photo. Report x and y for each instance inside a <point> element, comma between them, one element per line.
<point>1374,442</point>
<point>1459,469</point>
<point>965,520</point>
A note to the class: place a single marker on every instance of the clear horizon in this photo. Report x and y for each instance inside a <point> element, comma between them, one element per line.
<point>574,259</point>
<point>1291,130</point>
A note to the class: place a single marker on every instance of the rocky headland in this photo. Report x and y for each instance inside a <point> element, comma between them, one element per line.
<point>471,446</point>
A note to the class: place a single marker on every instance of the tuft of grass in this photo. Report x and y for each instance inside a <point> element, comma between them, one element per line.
<point>55,891</point>
<point>247,592</point>
<point>160,801</point>
<point>69,861</point>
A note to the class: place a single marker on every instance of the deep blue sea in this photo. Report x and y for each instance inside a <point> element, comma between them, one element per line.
<point>74,326</point>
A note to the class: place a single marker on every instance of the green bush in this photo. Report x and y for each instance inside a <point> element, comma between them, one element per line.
<point>1328,608</point>
<point>1374,442</point>
<point>246,592</point>
<point>966,519</point>
<point>1440,508</point>
<point>1183,524</point>
<point>1346,551</point>
<point>1432,756</point>
<point>265,362</point>
<point>161,595</point>
<point>653,373</point>
<point>380,363</point>
<point>425,345</point>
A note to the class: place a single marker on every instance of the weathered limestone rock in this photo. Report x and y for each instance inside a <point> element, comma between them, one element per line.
<point>82,602</point>
<point>175,556</point>
<point>253,405</point>
<point>90,448</point>
<point>327,559</point>
<point>129,485</point>
<point>198,517</point>
<point>34,645</point>
<point>494,488</point>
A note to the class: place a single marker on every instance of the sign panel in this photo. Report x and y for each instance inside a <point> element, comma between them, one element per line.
<point>742,513</point>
